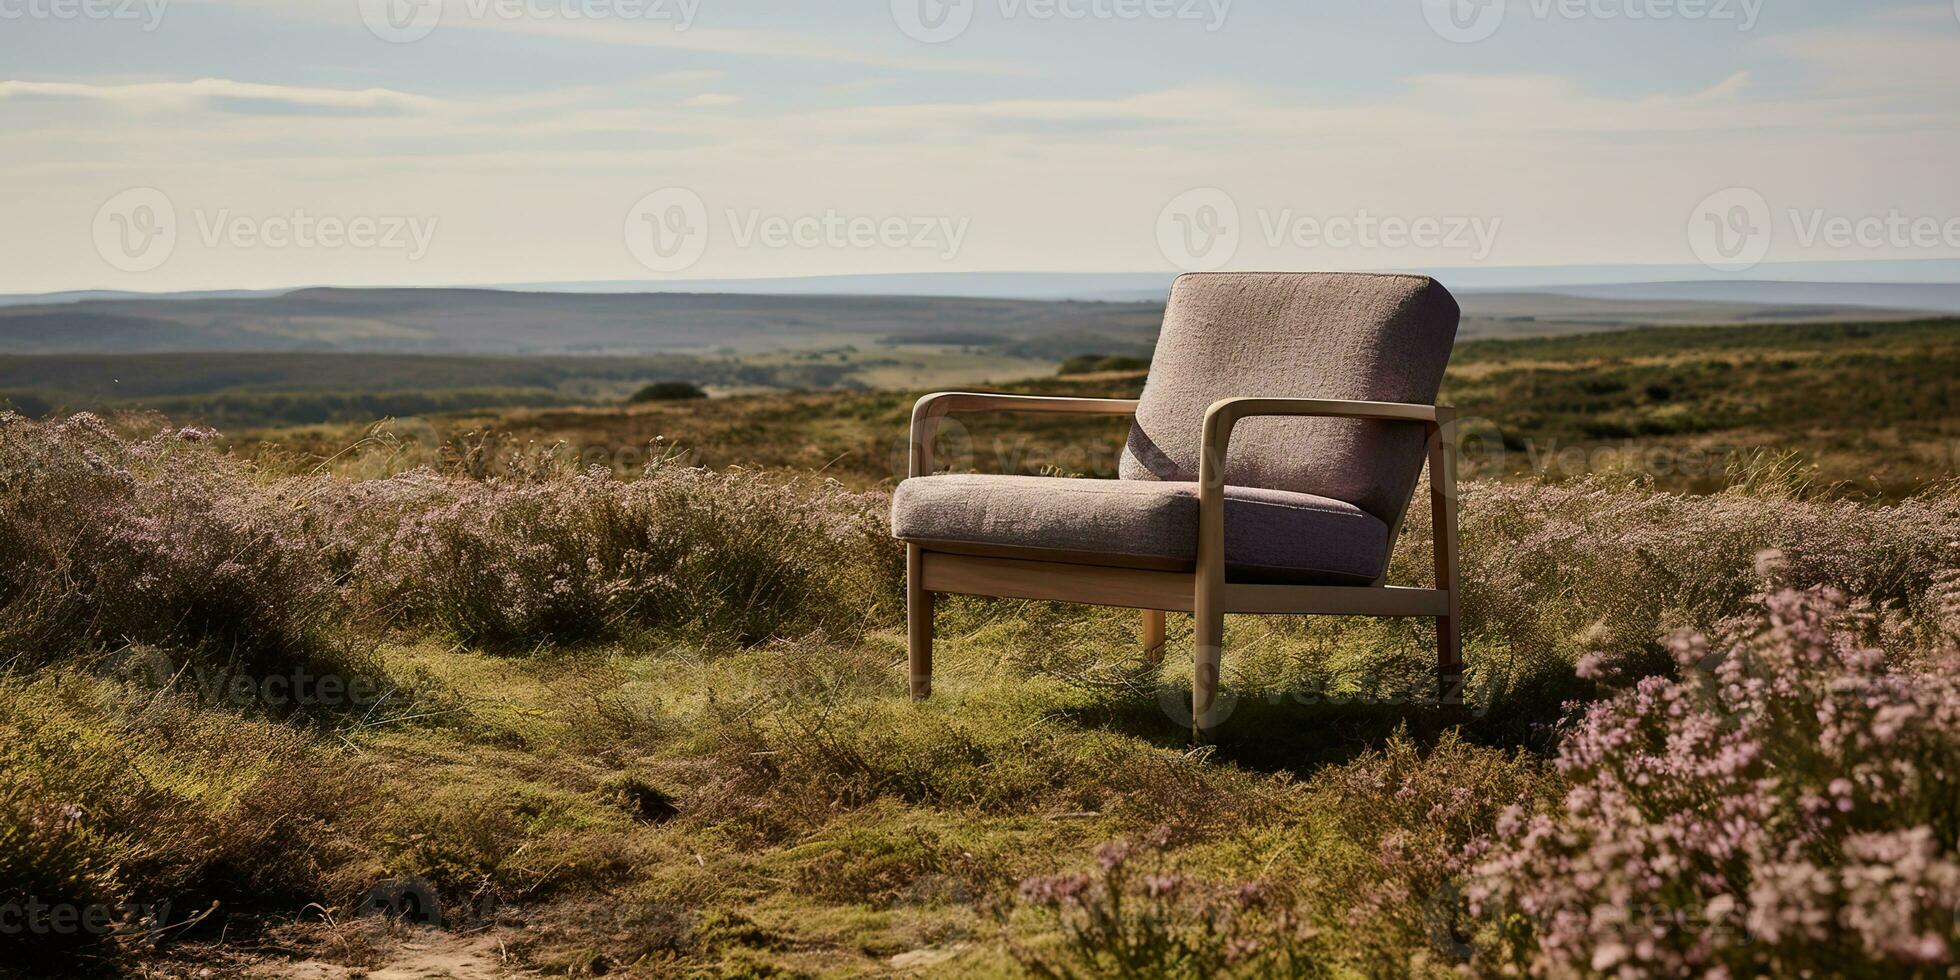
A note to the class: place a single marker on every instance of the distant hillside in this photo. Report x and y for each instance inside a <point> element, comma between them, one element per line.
<point>477,321</point>
<point>1942,297</point>
<point>1677,404</point>
<point>1501,314</point>
<point>486,321</point>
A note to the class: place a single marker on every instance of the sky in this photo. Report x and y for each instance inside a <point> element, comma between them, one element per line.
<point>164,145</point>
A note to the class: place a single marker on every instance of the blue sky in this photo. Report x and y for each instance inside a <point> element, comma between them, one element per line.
<point>526,141</point>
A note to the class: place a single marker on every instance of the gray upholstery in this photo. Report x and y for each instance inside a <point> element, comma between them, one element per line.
<point>1296,335</point>
<point>1270,535</point>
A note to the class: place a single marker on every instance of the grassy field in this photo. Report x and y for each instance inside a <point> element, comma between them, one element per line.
<point>656,727</point>
<point>263,389</point>
<point>446,701</point>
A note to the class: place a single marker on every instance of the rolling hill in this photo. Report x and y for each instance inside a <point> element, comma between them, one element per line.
<point>488,321</point>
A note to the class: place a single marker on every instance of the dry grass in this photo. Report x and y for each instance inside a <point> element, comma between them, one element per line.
<point>658,723</point>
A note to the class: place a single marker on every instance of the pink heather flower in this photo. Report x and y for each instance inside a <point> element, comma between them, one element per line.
<point>1594,666</point>
<point>1112,855</point>
<point>1242,949</point>
<point>1055,891</point>
<point>1721,822</point>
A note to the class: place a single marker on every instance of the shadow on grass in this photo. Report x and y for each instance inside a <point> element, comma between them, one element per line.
<point>1278,732</point>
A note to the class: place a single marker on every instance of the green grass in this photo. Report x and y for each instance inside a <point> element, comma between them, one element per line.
<point>685,746</point>
<point>658,727</point>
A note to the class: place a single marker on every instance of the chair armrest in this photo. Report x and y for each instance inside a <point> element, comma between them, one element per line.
<point>930,409</point>
<point>1226,413</point>
<point>1223,415</point>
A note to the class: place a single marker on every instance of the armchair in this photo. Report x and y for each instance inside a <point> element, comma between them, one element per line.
<point>1331,376</point>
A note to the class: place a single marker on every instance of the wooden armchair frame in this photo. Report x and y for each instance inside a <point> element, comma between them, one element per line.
<point>1203,591</point>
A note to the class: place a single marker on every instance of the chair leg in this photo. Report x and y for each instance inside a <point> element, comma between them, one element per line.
<point>1153,636</point>
<point>1210,622</point>
<point>918,623</point>
<point>1449,659</point>
<point>1443,518</point>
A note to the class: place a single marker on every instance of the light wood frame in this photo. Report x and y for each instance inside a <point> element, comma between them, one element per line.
<point>1203,590</point>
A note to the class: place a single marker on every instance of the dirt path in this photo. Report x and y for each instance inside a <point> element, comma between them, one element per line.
<point>426,956</point>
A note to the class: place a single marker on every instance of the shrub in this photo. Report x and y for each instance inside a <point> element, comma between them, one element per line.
<point>106,540</point>
<point>513,563</point>
<point>667,391</point>
<point>133,811</point>
<point>1554,572</point>
<point>1785,806</point>
<point>1160,923</point>
<point>1409,813</point>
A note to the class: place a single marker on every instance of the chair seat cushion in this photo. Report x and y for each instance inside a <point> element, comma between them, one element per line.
<point>1270,535</point>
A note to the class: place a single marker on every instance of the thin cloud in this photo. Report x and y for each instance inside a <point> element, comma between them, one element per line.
<point>625,32</point>
<point>226,95</point>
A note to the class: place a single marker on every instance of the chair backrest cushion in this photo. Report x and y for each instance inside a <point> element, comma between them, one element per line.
<point>1296,335</point>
